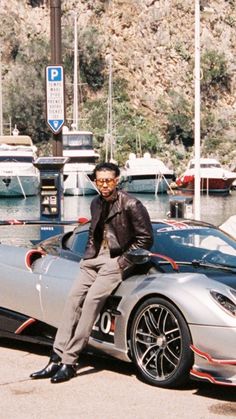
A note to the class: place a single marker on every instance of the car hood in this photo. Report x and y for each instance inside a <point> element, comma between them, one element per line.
<point>224,278</point>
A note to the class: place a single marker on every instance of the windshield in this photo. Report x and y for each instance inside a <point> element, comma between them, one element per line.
<point>185,242</point>
<point>77,141</point>
<point>16,159</point>
<point>206,165</point>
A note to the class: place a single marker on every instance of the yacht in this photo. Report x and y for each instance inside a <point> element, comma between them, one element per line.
<point>213,177</point>
<point>78,146</point>
<point>146,175</point>
<point>18,175</point>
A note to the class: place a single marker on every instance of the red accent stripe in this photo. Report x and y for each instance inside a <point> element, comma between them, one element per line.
<point>176,224</point>
<point>208,377</point>
<point>210,359</point>
<point>24,326</point>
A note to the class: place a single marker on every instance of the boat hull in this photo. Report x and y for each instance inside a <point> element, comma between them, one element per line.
<point>211,186</point>
<point>213,177</point>
<point>146,175</point>
<point>78,183</point>
<point>78,148</point>
<point>146,184</point>
<point>18,175</point>
<point>19,186</point>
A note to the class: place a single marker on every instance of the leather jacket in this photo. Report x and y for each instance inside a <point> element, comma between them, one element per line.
<point>127,224</point>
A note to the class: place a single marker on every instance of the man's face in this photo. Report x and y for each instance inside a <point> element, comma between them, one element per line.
<point>106,182</point>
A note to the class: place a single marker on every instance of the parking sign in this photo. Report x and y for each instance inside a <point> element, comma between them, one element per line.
<point>55,97</point>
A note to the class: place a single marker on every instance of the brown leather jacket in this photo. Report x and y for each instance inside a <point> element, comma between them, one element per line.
<point>128,226</point>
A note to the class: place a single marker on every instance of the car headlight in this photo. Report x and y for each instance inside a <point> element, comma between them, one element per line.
<point>224,302</point>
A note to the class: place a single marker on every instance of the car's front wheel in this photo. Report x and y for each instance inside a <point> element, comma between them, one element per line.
<point>160,344</point>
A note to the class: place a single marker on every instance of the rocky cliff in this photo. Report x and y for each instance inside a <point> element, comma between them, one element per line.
<point>152,45</point>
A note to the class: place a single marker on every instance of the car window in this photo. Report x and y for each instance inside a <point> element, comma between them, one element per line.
<point>79,242</point>
<point>214,242</point>
<point>192,242</point>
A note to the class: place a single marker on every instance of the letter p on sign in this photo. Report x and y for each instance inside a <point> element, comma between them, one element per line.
<point>54,74</point>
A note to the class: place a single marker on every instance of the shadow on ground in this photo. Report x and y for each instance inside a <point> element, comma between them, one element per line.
<point>224,393</point>
<point>96,363</point>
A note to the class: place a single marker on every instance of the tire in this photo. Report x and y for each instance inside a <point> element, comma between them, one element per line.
<point>160,344</point>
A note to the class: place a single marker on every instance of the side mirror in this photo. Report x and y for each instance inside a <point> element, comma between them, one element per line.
<point>139,256</point>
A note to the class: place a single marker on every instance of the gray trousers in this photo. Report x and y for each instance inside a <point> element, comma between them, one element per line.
<point>97,279</point>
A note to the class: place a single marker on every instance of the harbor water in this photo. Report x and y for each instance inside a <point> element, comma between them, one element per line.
<point>214,209</point>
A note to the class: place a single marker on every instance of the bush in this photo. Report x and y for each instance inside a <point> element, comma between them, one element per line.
<point>180,120</point>
<point>92,63</point>
<point>215,76</point>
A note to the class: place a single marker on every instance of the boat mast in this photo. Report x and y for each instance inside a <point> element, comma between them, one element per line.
<point>138,145</point>
<point>1,114</point>
<point>109,140</point>
<point>75,102</point>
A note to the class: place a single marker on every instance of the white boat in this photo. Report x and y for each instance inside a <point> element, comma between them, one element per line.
<point>213,177</point>
<point>18,175</point>
<point>78,146</point>
<point>146,175</point>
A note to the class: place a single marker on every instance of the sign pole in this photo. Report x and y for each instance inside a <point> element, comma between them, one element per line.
<point>56,58</point>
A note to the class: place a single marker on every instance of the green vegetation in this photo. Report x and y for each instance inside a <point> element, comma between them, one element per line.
<point>23,90</point>
<point>215,76</point>
<point>91,60</point>
<point>167,131</point>
<point>180,120</point>
<point>182,51</point>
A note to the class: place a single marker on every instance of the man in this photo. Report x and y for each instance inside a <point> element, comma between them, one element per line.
<point>119,223</point>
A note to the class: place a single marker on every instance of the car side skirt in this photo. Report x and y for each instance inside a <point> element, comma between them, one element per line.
<point>19,326</point>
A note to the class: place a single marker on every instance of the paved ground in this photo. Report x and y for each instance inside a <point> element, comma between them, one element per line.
<point>103,389</point>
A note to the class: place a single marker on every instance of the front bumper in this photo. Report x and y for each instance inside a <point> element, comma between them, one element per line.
<point>215,354</point>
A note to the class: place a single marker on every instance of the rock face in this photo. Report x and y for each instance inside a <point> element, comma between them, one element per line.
<point>151,41</point>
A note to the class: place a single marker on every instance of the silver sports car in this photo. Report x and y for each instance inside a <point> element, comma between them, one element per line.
<point>174,318</point>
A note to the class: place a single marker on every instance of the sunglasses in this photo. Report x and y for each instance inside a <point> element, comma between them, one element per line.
<point>109,182</point>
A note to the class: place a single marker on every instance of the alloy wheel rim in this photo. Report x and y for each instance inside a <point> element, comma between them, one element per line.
<point>157,342</point>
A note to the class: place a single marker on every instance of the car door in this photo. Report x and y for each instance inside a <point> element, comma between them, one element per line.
<point>18,282</point>
<point>54,281</point>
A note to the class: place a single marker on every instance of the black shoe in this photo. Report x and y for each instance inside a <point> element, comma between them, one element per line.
<point>65,373</point>
<point>47,372</point>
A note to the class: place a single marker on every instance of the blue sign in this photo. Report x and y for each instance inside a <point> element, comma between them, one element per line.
<point>55,97</point>
<point>55,74</point>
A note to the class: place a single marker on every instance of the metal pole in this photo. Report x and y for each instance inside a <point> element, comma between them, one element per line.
<point>56,58</point>
<point>109,133</point>
<point>197,130</point>
<point>110,108</point>
<point>75,104</point>
<point>1,111</point>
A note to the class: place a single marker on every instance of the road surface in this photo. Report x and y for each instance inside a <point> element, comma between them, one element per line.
<point>103,389</point>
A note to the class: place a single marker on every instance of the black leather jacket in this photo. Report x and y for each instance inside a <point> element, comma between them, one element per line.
<point>128,226</point>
